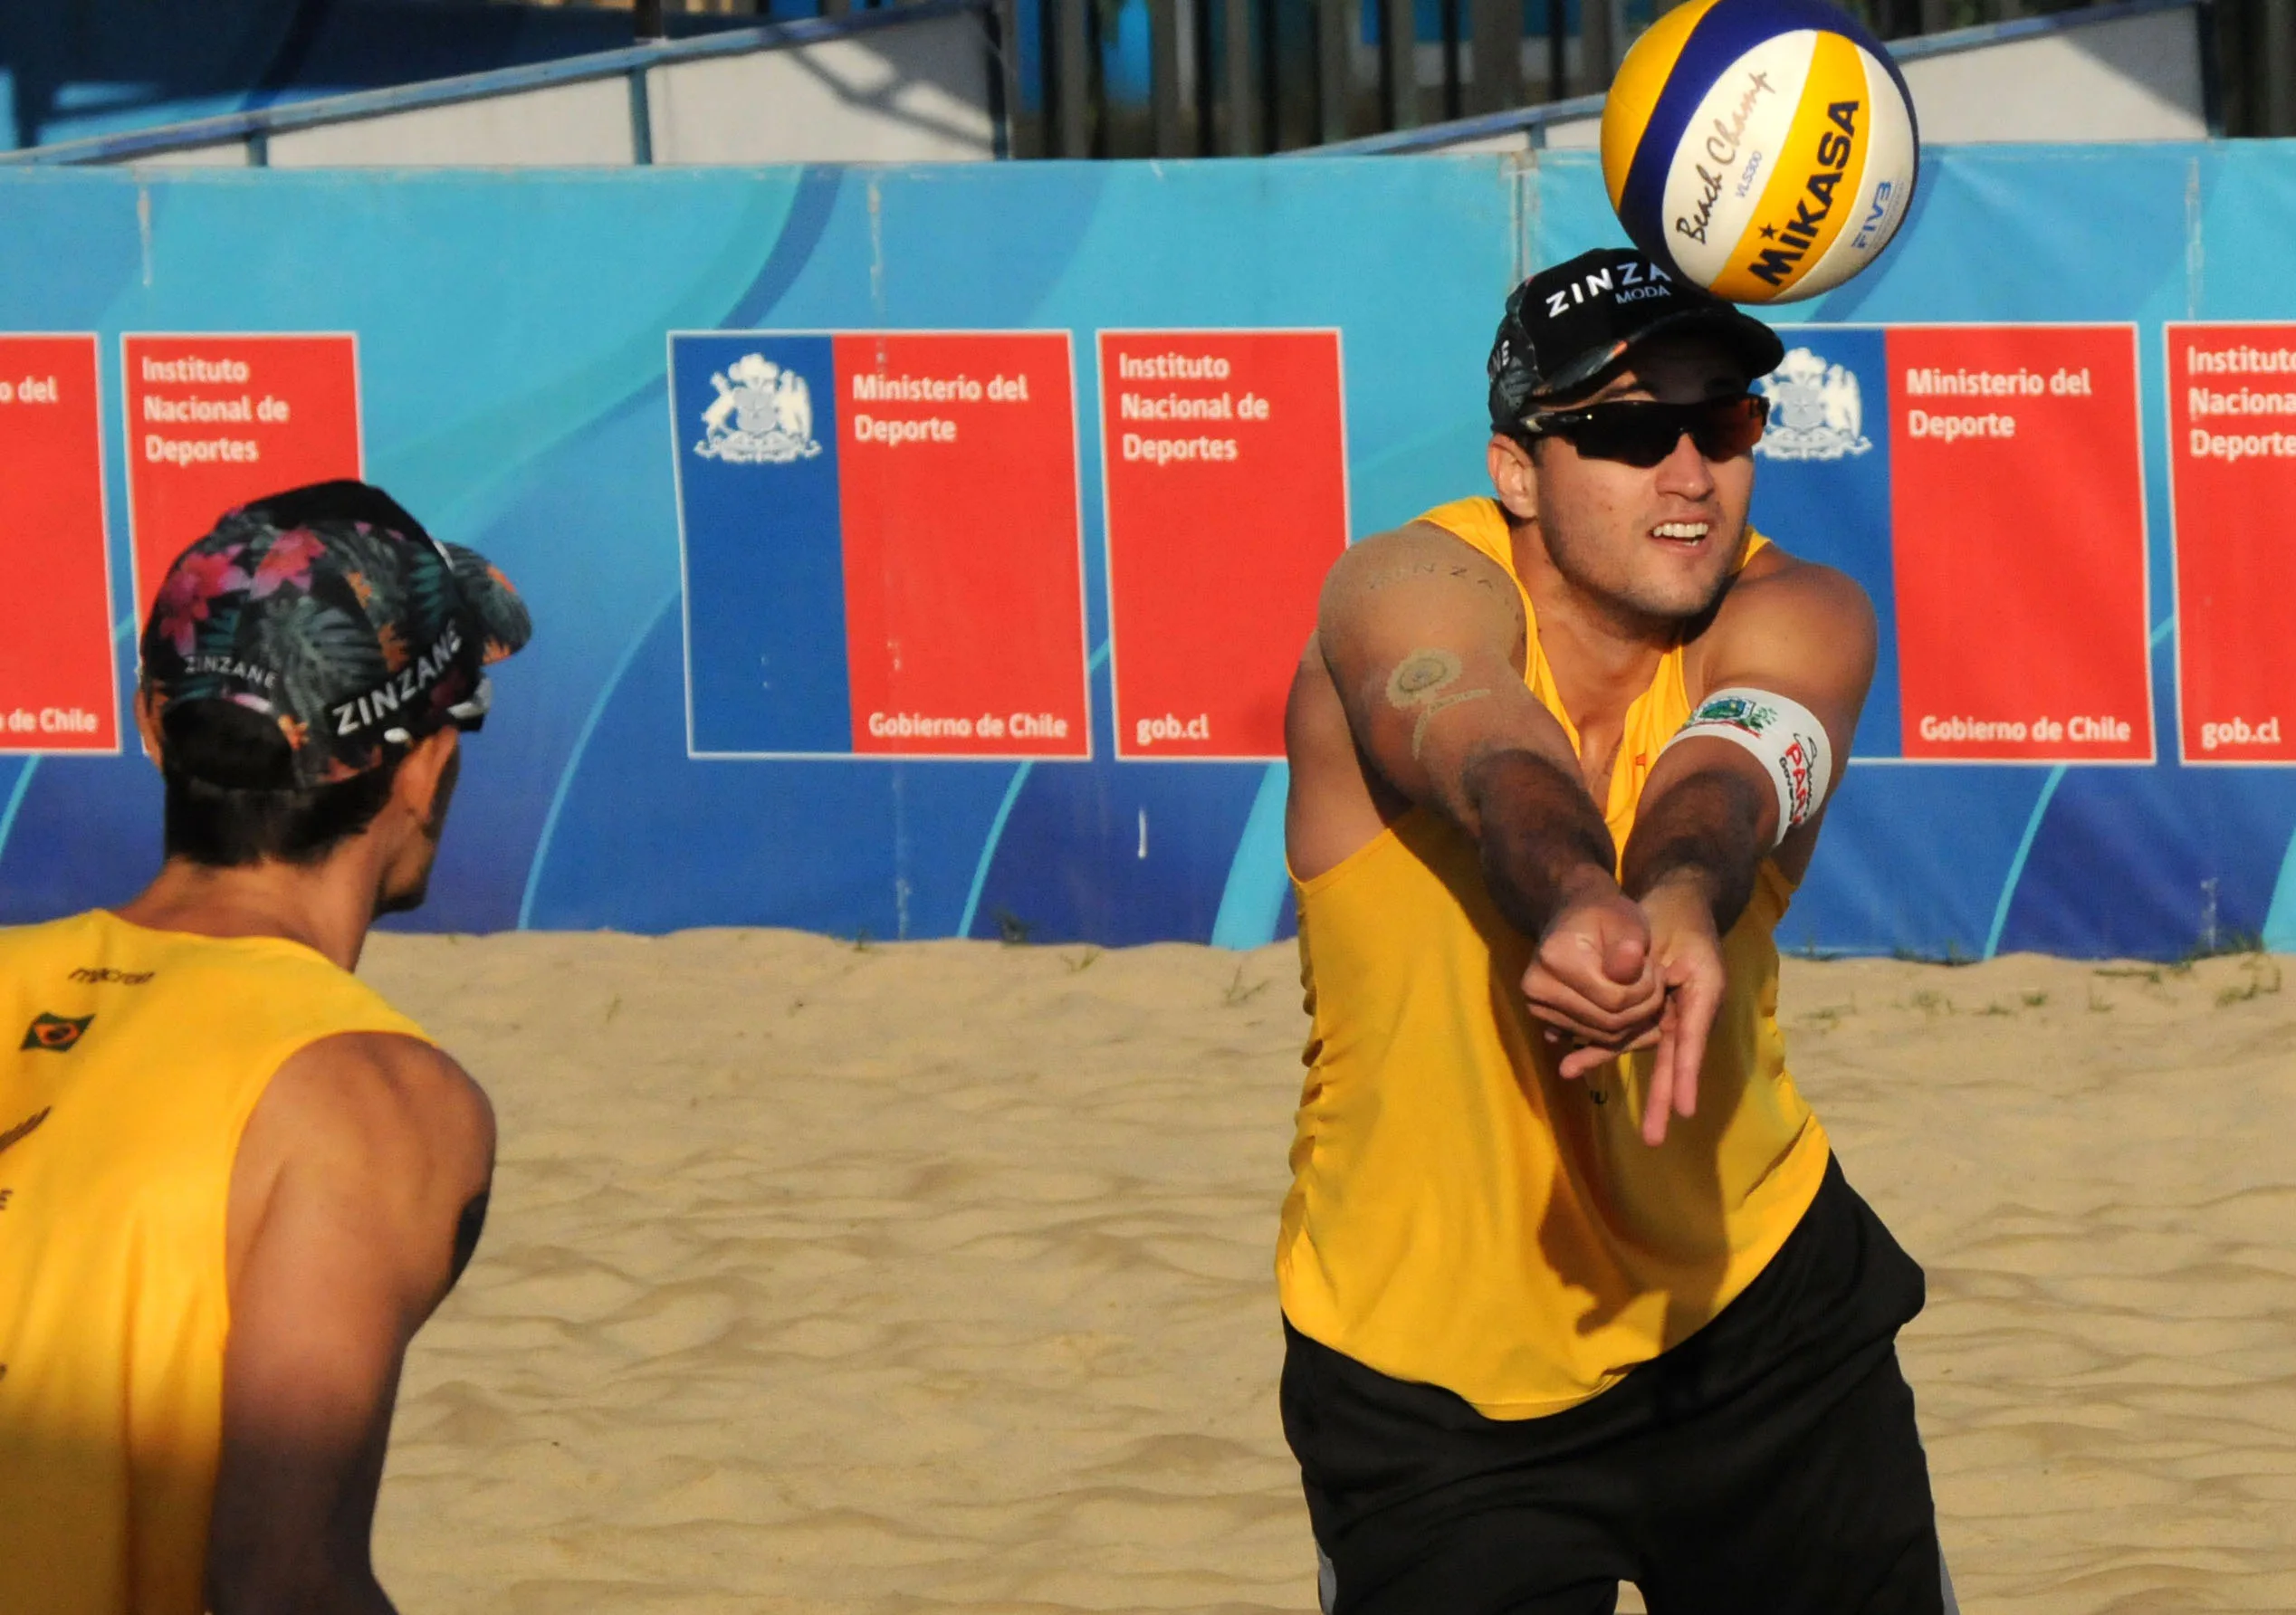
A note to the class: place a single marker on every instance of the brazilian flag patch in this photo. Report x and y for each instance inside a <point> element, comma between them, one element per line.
<point>55,1033</point>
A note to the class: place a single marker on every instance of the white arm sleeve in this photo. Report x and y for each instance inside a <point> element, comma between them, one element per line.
<point>1783,733</point>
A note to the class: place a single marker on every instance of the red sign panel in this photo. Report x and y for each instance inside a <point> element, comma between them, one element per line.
<point>2017,500</point>
<point>215,421</point>
<point>2232,460</point>
<point>1225,458</point>
<point>58,690</point>
<point>963,557</point>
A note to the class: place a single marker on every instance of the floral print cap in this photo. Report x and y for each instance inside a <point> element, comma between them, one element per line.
<point>329,609</point>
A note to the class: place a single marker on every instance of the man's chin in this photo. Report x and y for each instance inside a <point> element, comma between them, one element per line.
<point>1678,603</point>
<point>405,900</point>
<point>410,895</point>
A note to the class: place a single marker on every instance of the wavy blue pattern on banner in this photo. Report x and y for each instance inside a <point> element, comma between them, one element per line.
<point>2280,918</point>
<point>989,844</point>
<point>511,338</point>
<point>25,768</point>
<point>574,759</point>
<point>2047,794</point>
<point>2017,861</point>
<point>1251,905</point>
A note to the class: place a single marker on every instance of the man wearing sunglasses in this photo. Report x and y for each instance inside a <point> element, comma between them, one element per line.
<point>1574,1290</point>
<point>234,1181</point>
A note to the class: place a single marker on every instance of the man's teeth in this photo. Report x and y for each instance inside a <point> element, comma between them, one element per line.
<point>1680,530</point>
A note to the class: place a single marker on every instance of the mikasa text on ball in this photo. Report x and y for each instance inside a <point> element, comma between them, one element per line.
<point>1763,149</point>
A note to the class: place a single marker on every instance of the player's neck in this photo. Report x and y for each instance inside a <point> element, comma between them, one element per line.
<point>328,907</point>
<point>1603,654</point>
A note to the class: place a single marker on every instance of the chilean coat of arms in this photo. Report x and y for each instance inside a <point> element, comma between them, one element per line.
<point>1816,411</point>
<point>762,415</point>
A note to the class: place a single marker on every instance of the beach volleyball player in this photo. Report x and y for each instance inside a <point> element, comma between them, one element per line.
<point>1574,1292</point>
<point>234,1181</point>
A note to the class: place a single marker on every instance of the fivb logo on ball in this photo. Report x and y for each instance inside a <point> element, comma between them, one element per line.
<point>1765,149</point>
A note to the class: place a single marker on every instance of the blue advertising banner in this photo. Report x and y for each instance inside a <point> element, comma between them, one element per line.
<point>899,508</point>
<point>871,692</point>
<point>1995,511</point>
<point>764,591</point>
<point>1823,480</point>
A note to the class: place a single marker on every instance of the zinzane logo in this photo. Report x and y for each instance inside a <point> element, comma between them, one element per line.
<point>385,700</point>
<point>1814,205</point>
<point>1634,272</point>
<point>232,667</point>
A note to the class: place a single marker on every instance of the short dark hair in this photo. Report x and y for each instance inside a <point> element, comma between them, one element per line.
<point>1524,438</point>
<point>230,797</point>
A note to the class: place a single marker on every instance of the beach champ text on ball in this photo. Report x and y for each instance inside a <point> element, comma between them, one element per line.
<point>1765,149</point>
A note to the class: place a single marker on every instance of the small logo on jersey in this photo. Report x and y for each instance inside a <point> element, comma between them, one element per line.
<point>55,1033</point>
<point>1817,411</point>
<point>16,1135</point>
<point>99,975</point>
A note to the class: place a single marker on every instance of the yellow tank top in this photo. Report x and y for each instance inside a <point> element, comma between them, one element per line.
<point>129,1062</point>
<point>1459,1214</point>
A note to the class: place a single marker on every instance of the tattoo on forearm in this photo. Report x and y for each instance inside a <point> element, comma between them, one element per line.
<point>1540,834</point>
<point>1421,683</point>
<point>1710,822</point>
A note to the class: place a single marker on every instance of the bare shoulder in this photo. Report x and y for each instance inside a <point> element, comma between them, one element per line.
<point>1777,580</point>
<point>1781,606</point>
<point>377,1102</point>
<point>1412,562</point>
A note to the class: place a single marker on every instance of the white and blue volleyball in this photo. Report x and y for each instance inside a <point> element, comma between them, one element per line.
<point>1765,149</point>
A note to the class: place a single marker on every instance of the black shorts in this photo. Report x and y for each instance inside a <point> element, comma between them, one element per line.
<point>1768,1464</point>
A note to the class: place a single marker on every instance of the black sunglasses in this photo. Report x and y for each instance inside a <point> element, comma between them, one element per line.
<point>1642,433</point>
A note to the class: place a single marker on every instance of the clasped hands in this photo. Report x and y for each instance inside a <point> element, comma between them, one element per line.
<point>1611,974</point>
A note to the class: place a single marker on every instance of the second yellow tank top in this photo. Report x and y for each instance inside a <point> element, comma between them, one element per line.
<point>129,1062</point>
<point>1459,1214</point>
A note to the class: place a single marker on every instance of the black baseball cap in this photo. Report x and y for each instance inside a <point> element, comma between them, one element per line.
<point>329,610</point>
<point>1569,323</point>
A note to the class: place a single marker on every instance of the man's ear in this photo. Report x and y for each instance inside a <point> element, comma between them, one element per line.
<point>1515,477</point>
<point>416,786</point>
<point>147,725</point>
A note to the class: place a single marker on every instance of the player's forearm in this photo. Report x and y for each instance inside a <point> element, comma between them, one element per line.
<point>305,1586</point>
<point>1704,827</point>
<point>294,1520</point>
<point>1543,842</point>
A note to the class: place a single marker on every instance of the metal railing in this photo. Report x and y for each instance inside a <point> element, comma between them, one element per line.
<point>1534,125</point>
<point>1188,78</point>
<point>1233,77</point>
<point>636,66</point>
<point>2256,51</point>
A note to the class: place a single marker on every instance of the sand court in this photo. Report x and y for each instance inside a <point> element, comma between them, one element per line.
<point>867,1280</point>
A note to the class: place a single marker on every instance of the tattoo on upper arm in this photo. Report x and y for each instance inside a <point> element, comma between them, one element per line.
<point>1406,570</point>
<point>1421,683</point>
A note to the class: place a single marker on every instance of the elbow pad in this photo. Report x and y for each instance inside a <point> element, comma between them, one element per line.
<point>1781,731</point>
